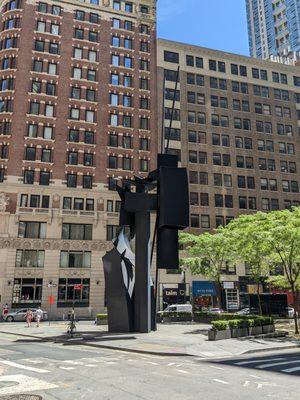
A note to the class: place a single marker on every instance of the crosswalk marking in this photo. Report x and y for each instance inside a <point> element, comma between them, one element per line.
<point>20,366</point>
<point>220,381</point>
<point>258,361</point>
<point>290,370</point>
<point>277,363</point>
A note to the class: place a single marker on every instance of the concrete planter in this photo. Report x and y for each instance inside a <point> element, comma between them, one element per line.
<point>219,335</point>
<point>255,330</point>
<point>268,329</point>
<point>101,321</point>
<point>239,332</point>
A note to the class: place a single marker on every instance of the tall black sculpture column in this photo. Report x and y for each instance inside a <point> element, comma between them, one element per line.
<point>142,295</point>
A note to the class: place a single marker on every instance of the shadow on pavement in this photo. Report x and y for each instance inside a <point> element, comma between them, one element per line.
<point>283,362</point>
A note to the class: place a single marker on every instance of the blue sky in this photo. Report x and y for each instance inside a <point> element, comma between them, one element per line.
<point>218,24</point>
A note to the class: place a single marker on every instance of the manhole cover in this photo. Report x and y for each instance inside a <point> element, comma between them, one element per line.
<point>21,396</point>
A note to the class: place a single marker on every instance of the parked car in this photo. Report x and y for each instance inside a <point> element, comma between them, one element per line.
<point>215,310</point>
<point>19,315</point>
<point>247,311</point>
<point>179,308</point>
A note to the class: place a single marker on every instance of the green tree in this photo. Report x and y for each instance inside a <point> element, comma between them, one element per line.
<point>283,233</point>
<point>206,255</point>
<point>246,239</point>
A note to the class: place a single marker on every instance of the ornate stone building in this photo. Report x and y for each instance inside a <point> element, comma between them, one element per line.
<point>77,115</point>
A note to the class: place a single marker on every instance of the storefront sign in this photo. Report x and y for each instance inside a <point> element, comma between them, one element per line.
<point>228,285</point>
<point>203,288</point>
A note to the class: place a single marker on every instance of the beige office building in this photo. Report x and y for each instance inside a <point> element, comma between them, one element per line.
<point>236,128</point>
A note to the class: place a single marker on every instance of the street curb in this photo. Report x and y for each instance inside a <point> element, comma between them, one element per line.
<point>294,346</point>
<point>155,353</point>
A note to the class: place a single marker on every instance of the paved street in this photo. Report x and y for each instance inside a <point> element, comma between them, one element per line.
<point>67,372</point>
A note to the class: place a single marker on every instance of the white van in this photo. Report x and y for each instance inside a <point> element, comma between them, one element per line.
<point>179,308</point>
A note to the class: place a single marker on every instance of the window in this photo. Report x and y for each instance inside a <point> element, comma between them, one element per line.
<point>75,259</point>
<point>195,221</point>
<point>46,155</point>
<point>30,258</point>
<point>144,165</point>
<point>203,178</point>
<point>77,231</point>
<point>71,180</point>
<point>93,36</point>
<point>28,177</point>
<point>34,230</point>
<point>53,48</point>
<point>172,57</point>
<point>204,199</point>
<point>67,295</point>
<point>94,18</point>
<point>190,61</point>
<point>205,221</point>
<point>44,178</point>
<point>27,291</point>
<point>80,15</point>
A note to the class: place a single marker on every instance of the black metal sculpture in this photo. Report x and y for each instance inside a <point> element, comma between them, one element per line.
<point>129,288</point>
<point>130,295</point>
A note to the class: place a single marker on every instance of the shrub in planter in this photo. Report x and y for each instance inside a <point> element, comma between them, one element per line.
<point>219,331</point>
<point>101,319</point>
<point>219,325</point>
<point>239,327</point>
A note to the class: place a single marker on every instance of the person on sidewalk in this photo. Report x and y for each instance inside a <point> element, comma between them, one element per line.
<point>39,316</point>
<point>29,317</point>
<point>4,312</point>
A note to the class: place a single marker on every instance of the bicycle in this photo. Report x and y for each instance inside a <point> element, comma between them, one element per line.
<point>71,329</point>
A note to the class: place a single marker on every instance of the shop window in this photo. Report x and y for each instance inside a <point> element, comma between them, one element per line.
<point>73,292</point>
<point>27,291</point>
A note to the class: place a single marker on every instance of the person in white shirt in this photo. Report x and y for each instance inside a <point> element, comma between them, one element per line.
<point>39,316</point>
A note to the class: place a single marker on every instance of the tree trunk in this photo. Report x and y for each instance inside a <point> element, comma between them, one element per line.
<point>259,299</point>
<point>219,295</point>
<point>295,306</point>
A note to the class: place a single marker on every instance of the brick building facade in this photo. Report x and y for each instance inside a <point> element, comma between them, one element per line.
<point>77,115</point>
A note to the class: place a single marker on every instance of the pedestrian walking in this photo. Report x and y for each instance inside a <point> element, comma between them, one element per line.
<point>29,317</point>
<point>38,316</point>
<point>4,312</point>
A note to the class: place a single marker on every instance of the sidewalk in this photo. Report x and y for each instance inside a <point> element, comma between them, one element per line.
<point>169,340</point>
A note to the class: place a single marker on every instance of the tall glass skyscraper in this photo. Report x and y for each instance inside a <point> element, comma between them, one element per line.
<point>273,27</point>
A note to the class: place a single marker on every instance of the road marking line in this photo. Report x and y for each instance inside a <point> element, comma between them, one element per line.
<point>256,377</point>
<point>170,364</point>
<point>67,368</point>
<point>24,384</point>
<point>219,381</point>
<point>277,363</point>
<point>247,383</point>
<point>91,365</point>
<point>258,361</point>
<point>152,363</point>
<point>181,371</point>
<point>110,362</point>
<point>295,369</point>
<point>212,366</point>
<point>16,365</point>
<point>73,362</point>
